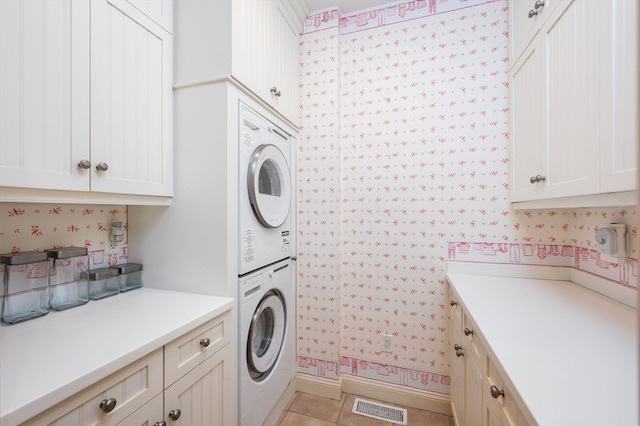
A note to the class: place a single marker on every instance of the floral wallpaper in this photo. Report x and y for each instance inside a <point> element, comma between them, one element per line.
<point>402,165</point>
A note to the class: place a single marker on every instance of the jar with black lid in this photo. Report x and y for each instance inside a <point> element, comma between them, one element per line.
<point>26,286</point>
<point>69,281</point>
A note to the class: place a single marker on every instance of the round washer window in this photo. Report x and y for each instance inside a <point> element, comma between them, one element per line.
<point>269,185</point>
<point>266,335</point>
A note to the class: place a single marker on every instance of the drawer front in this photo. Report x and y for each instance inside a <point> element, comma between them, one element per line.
<point>131,388</point>
<point>501,405</point>
<point>192,348</point>
<point>455,310</point>
<point>149,414</point>
<point>473,340</point>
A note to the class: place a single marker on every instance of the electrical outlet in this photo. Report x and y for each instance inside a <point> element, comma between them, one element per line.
<point>110,247</point>
<point>385,343</point>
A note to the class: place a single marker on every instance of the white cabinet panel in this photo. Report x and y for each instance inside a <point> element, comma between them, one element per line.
<point>44,94</point>
<point>130,101</point>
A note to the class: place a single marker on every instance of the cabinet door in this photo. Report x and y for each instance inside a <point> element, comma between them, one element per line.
<point>44,94</point>
<point>205,395</point>
<point>284,59</point>
<point>472,392</point>
<point>130,101</point>
<point>525,20</point>
<point>571,43</point>
<point>251,35</point>
<point>528,123</point>
<point>457,375</point>
<point>618,90</point>
<point>147,415</point>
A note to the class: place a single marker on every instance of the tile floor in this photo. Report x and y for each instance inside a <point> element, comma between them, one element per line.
<point>310,410</point>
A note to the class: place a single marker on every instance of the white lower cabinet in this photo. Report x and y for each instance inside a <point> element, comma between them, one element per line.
<point>478,394</point>
<point>189,381</point>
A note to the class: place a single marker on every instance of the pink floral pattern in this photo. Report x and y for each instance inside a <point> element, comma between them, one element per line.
<point>402,165</point>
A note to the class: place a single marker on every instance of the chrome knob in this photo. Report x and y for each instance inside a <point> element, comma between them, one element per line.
<point>84,164</point>
<point>107,405</point>
<point>495,392</point>
<point>162,423</point>
<point>532,13</point>
<point>457,346</point>
<point>537,178</point>
<point>538,4</point>
<point>102,167</point>
<point>205,342</point>
<point>175,414</point>
<point>453,303</point>
<point>275,92</point>
<point>468,332</point>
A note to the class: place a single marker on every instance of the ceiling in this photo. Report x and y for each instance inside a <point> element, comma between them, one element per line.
<point>345,6</point>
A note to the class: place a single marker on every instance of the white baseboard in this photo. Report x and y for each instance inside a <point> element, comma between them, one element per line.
<point>386,392</point>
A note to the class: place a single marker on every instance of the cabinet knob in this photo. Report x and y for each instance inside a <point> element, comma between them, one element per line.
<point>175,414</point>
<point>459,353</point>
<point>468,332</point>
<point>107,405</point>
<point>102,167</point>
<point>532,13</point>
<point>453,303</point>
<point>495,392</point>
<point>205,342</point>
<point>538,4</point>
<point>537,178</point>
<point>275,92</point>
<point>162,423</point>
<point>84,164</point>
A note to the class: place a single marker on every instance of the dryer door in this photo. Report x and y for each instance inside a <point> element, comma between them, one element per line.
<point>266,335</point>
<point>269,185</point>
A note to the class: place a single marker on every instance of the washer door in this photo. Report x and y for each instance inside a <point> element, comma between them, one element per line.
<point>269,185</point>
<point>266,335</point>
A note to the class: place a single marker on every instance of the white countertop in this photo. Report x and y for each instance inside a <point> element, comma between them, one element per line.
<point>570,354</point>
<point>45,360</point>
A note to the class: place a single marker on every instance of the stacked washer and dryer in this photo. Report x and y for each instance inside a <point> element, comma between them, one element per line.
<point>265,293</point>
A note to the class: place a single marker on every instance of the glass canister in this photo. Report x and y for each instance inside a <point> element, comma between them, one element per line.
<point>68,282</point>
<point>26,286</point>
<point>103,283</point>
<point>130,276</point>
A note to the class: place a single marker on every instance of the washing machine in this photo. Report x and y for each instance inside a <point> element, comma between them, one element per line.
<point>265,192</point>
<point>266,340</point>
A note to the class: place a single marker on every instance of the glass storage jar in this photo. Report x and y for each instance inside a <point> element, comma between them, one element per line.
<point>69,280</point>
<point>130,276</point>
<point>103,283</point>
<point>26,286</point>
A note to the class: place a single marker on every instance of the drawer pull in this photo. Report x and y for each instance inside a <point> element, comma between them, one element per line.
<point>107,405</point>
<point>205,342</point>
<point>175,414</point>
<point>495,392</point>
<point>468,332</point>
<point>84,164</point>
<point>459,351</point>
<point>453,303</point>
<point>162,423</point>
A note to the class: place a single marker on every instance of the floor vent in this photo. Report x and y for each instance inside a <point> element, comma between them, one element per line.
<point>379,411</point>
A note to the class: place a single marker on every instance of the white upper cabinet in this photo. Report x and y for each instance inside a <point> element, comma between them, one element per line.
<point>573,99</point>
<point>254,43</point>
<point>86,102</point>
<point>44,94</point>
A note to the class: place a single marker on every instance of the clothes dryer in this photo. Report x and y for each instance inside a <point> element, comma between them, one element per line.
<point>265,192</point>
<point>266,340</point>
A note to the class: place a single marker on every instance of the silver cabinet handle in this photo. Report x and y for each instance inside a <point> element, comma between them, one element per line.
<point>102,167</point>
<point>453,303</point>
<point>538,4</point>
<point>495,392</point>
<point>468,332</point>
<point>537,178</point>
<point>205,342</point>
<point>175,414</point>
<point>532,13</point>
<point>162,423</point>
<point>84,164</point>
<point>107,405</point>
<point>275,92</point>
